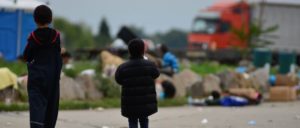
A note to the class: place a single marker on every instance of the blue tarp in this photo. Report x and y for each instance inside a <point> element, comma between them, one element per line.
<point>15,26</point>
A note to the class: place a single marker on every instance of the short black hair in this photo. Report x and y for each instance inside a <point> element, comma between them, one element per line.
<point>164,48</point>
<point>136,48</point>
<point>42,15</point>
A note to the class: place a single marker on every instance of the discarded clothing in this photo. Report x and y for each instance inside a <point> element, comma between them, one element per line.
<point>7,79</point>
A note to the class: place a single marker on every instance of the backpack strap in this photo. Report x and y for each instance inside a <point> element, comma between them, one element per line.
<point>35,39</point>
<point>55,38</point>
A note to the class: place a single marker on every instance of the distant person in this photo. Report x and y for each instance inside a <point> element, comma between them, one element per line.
<point>137,78</point>
<point>169,61</point>
<point>44,62</point>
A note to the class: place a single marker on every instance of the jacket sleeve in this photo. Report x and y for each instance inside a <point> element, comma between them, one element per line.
<point>28,52</point>
<point>155,72</point>
<point>118,77</point>
<point>58,42</point>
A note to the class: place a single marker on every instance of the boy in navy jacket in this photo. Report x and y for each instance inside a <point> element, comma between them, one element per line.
<point>44,64</point>
<point>137,78</point>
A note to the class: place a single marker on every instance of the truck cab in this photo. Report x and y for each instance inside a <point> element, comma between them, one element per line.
<point>211,28</point>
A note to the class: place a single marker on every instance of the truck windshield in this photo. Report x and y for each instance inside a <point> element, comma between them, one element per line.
<point>207,26</point>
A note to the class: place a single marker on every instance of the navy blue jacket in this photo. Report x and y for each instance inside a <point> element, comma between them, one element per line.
<point>43,58</point>
<point>137,78</point>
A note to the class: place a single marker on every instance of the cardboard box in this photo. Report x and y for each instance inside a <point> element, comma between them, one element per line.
<point>283,93</point>
<point>245,92</point>
<point>286,80</point>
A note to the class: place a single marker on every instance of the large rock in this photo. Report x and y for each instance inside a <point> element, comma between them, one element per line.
<point>206,86</point>
<point>211,83</point>
<point>231,79</point>
<point>227,79</point>
<point>9,95</point>
<point>70,89</point>
<point>185,80</point>
<point>89,86</point>
<point>196,90</point>
<point>164,77</point>
<point>260,78</point>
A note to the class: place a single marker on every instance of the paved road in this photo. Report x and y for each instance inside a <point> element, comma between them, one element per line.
<point>267,115</point>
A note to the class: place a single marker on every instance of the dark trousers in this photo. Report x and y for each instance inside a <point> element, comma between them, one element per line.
<point>133,122</point>
<point>43,104</point>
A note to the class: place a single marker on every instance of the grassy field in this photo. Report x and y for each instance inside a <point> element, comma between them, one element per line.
<point>20,69</point>
<point>209,68</point>
<point>17,67</point>
<point>79,105</point>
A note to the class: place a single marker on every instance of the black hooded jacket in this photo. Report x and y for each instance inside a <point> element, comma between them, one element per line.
<point>137,77</point>
<point>43,58</point>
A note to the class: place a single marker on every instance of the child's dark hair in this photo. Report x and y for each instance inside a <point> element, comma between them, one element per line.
<point>42,15</point>
<point>136,48</point>
<point>164,48</point>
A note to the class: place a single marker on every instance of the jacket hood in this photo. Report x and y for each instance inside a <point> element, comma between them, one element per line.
<point>45,36</point>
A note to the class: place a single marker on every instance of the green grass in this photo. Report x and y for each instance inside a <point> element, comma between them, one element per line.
<point>209,68</point>
<point>79,66</point>
<point>180,101</point>
<point>17,67</point>
<point>20,68</point>
<point>83,105</point>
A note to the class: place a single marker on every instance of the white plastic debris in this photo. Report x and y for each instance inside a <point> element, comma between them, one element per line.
<point>204,121</point>
<point>252,122</point>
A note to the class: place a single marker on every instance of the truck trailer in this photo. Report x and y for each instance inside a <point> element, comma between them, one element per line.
<point>211,36</point>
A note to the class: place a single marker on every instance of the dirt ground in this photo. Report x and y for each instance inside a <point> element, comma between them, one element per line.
<point>267,115</point>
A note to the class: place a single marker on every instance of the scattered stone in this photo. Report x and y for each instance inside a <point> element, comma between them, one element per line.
<point>252,122</point>
<point>211,83</point>
<point>297,117</point>
<point>227,79</point>
<point>99,109</point>
<point>70,89</point>
<point>204,121</point>
<point>260,77</point>
<point>89,86</point>
<point>184,80</point>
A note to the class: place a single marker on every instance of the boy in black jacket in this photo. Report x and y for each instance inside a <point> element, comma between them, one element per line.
<point>137,77</point>
<point>44,63</point>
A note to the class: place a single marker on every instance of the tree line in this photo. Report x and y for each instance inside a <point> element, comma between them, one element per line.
<point>79,35</point>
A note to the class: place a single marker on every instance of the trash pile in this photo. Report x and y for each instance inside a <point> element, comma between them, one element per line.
<point>240,87</point>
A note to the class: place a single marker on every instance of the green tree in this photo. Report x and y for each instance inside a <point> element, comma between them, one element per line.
<point>74,35</point>
<point>174,38</point>
<point>253,37</point>
<point>139,31</point>
<point>103,37</point>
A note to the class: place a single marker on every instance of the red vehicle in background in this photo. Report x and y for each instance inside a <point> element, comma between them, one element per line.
<point>211,34</point>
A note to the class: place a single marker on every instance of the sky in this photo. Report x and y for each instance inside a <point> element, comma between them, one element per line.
<point>151,15</point>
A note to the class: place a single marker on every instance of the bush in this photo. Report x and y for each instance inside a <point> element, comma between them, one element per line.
<point>17,67</point>
<point>209,68</point>
<point>108,87</point>
<point>79,66</point>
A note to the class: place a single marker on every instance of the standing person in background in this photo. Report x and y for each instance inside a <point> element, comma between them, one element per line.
<point>44,62</point>
<point>169,61</point>
<point>137,78</point>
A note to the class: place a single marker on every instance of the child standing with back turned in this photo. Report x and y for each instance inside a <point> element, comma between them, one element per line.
<point>44,63</point>
<point>137,77</point>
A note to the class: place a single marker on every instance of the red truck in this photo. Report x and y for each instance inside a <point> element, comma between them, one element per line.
<point>211,29</point>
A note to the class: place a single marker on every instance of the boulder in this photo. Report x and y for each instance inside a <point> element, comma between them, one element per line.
<point>196,90</point>
<point>206,86</point>
<point>211,83</point>
<point>185,80</point>
<point>89,86</point>
<point>70,89</point>
<point>164,77</point>
<point>227,79</point>
<point>260,78</point>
